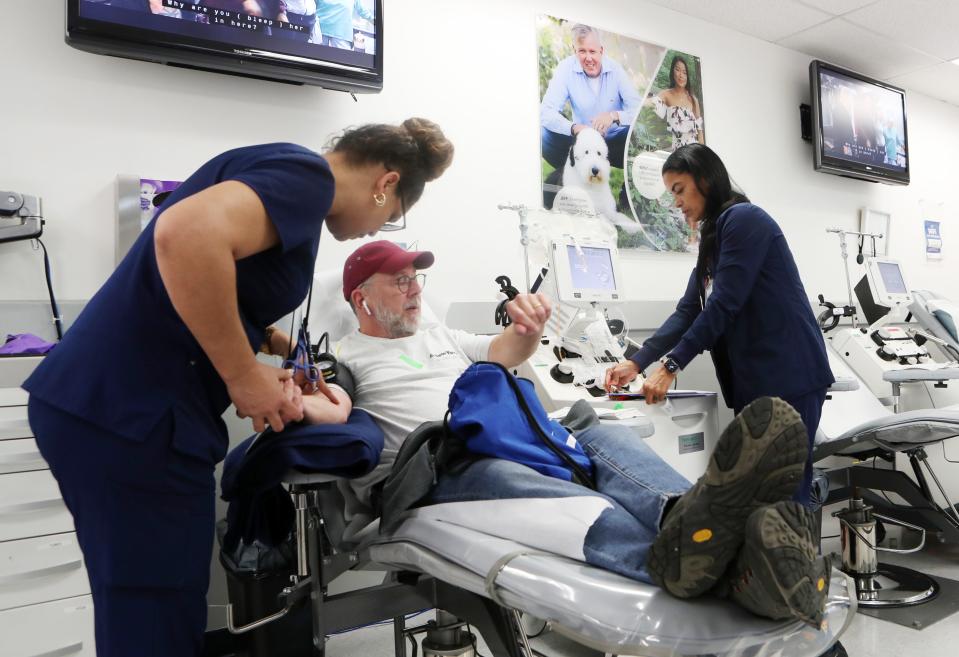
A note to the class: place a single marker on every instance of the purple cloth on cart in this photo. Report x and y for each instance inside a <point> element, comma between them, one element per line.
<point>25,344</point>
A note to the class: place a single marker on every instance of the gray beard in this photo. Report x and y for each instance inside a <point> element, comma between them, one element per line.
<point>395,325</point>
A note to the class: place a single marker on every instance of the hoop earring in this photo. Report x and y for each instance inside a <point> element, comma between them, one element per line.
<point>379,199</point>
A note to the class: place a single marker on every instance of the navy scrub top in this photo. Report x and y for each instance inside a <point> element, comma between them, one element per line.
<point>129,359</point>
<point>757,321</point>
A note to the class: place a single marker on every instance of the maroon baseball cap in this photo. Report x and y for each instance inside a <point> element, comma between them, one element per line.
<point>381,256</point>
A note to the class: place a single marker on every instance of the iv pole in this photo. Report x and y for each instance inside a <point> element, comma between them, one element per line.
<point>523,212</point>
<point>845,259</point>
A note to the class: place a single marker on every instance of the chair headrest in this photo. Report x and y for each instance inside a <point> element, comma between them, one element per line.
<point>329,313</point>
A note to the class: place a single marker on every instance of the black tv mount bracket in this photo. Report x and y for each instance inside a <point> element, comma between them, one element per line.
<point>805,121</point>
<point>21,217</point>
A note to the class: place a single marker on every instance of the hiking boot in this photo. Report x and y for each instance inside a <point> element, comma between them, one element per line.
<point>778,573</point>
<point>758,460</point>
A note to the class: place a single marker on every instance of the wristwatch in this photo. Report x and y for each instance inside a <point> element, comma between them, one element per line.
<point>670,364</point>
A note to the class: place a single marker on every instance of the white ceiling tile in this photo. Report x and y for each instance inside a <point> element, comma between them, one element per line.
<point>767,19</point>
<point>926,25</point>
<point>857,49</point>
<point>940,81</point>
<point>837,7</point>
<point>904,41</point>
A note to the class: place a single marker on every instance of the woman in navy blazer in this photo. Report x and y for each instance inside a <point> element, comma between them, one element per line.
<point>744,302</point>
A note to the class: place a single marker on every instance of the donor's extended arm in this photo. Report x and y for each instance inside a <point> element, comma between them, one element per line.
<point>317,409</point>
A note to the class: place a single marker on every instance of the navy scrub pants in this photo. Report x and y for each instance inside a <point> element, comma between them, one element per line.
<point>809,407</point>
<point>144,515</point>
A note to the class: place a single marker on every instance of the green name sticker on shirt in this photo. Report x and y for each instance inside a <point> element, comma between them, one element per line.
<point>412,363</point>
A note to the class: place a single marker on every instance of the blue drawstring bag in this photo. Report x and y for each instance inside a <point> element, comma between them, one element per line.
<point>499,415</point>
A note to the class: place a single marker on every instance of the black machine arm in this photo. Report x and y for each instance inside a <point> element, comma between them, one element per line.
<point>829,318</point>
<point>507,288</point>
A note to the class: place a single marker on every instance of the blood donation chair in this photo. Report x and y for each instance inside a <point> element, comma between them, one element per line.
<point>470,560</point>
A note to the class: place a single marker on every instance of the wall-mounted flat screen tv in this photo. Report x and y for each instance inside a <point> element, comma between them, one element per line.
<point>337,44</point>
<point>859,125</point>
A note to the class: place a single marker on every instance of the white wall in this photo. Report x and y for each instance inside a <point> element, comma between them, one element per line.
<point>71,121</point>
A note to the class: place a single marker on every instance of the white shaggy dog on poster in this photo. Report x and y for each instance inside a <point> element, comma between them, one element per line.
<point>586,182</point>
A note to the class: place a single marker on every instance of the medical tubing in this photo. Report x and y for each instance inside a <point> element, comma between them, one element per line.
<point>472,634</point>
<point>539,633</point>
<point>57,323</point>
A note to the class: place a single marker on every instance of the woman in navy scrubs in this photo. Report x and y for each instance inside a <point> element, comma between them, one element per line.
<point>127,408</point>
<point>744,302</point>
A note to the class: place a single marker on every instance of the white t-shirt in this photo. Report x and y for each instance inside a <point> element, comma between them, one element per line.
<point>404,382</point>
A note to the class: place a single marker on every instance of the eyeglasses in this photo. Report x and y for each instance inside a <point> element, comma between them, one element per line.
<point>403,282</point>
<point>396,224</point>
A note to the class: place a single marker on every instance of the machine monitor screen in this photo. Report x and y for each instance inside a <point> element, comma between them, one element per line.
<point>882,288</point>
<point>859,125</point>
<point>586,272</point>
<point>338,47</point>
<point>591,268</point>
<point>892,277</point>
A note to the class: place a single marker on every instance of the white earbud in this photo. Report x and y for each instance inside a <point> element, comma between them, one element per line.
<point>367,308</point>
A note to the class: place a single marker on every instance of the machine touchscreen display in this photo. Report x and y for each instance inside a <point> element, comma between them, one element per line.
<point>591,268</point>
<point>892,278</point>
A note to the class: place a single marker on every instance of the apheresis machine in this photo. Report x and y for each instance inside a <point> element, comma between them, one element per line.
<point>892,410</point>
<point>578,266</point>
<point>902,342</point>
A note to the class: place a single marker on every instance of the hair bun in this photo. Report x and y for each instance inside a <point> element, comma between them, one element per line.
<point>435,150</point>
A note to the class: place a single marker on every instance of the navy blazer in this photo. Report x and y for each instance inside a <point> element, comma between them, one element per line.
<point>756,322</point>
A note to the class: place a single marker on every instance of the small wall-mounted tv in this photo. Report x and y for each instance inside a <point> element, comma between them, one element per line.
<point>859,125</point>
<point>340,47</point>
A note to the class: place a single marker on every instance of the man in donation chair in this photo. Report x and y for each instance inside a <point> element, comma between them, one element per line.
<point>735,532</point>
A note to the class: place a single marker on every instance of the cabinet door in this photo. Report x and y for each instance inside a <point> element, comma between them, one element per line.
<point>20,455</point>
<point>13,422</point>
<point>30,505</point>
<point>63,628</point>
<point>41,569</point>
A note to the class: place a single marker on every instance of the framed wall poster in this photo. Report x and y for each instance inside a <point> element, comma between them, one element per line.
<point>633,101</point>
<point>933,240</point>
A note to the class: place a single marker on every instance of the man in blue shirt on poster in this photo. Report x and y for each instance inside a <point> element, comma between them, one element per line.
<point>601,96</point>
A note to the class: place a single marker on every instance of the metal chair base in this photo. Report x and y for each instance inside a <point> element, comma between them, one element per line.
<point>894,586</point>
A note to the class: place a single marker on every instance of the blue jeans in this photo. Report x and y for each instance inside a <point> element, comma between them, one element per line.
<point>628,473</point>
<point>556,146</point>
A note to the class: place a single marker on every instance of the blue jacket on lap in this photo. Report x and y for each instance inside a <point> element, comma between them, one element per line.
<point>260,508</point>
